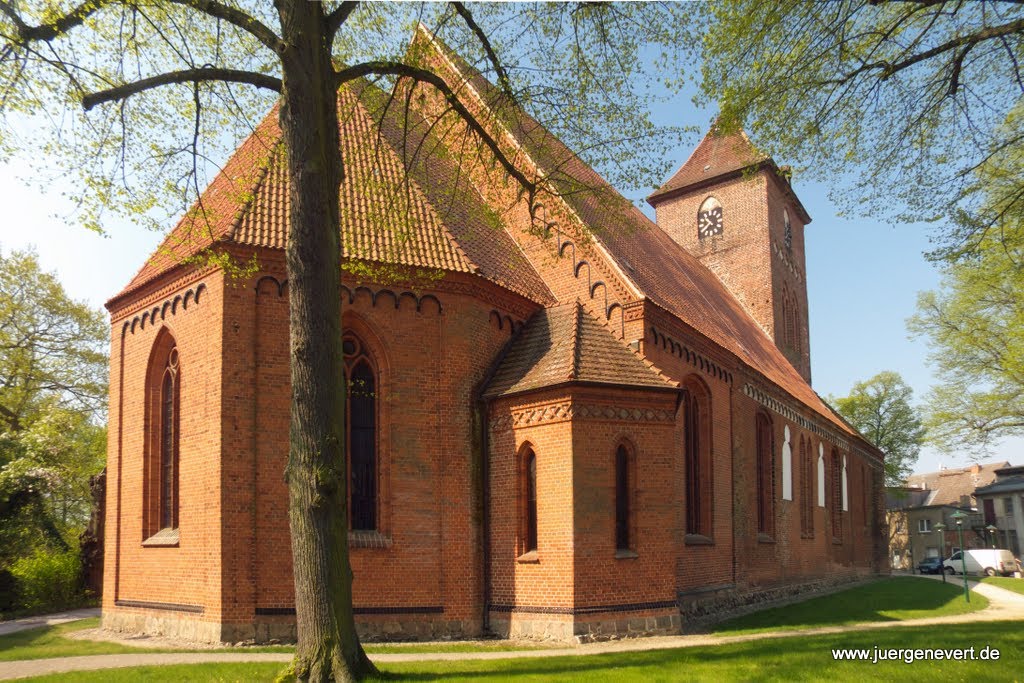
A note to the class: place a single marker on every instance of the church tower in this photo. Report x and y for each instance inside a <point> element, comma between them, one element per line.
<point>735,211</point>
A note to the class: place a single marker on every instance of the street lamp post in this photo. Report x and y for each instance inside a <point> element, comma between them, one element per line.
<point>941,528</point>
<point>991,529</point>
<point>959,517</point>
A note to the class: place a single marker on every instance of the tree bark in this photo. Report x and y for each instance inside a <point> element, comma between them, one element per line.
<point>328,647</point>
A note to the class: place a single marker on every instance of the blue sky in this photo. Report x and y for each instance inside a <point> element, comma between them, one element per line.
<point>863,275</point>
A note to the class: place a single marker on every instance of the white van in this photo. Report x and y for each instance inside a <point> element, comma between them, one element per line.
<point>989,561</point>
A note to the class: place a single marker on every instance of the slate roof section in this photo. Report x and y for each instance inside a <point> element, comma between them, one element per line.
<point>715,156</point>
<point>564,344</point>
<point>949,485</point>
<point>1008,480</point>
<point>656,264</point>
<point>386,218</point>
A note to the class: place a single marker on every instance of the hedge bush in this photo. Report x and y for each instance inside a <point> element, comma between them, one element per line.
<point>48,580</point>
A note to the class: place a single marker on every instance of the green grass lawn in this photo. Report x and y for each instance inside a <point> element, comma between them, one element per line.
<point>1010,584</point>
<point>456,646</point>
<point>797,658</point>
<point>52,641</point>
<point>895,599</point>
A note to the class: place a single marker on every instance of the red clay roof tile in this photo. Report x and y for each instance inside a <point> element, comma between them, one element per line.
<point>387,217</point>
<point>565,344</point>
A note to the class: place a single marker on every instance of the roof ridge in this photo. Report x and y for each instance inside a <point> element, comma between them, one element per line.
<point>468,72</point>
<point>574,341</point>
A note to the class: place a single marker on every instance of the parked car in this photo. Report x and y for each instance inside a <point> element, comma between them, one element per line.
<point>930,565</point>
<point>988,561</point>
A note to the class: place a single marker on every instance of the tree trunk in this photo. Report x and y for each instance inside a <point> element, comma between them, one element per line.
<point>328,647</point>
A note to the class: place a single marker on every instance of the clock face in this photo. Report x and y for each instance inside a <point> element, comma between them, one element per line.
<point>710,222</point>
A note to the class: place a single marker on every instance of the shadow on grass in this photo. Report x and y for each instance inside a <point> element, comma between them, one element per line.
<point>43,635</point>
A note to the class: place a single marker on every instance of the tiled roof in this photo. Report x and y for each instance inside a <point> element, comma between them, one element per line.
<point>1008,484</point>
<point>949,485</point>
<point>387,217</point>
<point>720,155</point>
<point>565,344</point>
<point>715,156</point>
<point>899,498</point>
<point>658,266</point>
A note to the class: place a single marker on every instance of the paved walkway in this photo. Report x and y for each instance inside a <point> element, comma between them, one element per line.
<point>15,625</point>
<point>1003,605</point>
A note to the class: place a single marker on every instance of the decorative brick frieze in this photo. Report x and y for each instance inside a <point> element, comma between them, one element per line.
<point>694,358</point>
<point>568,410</point>
<point>170,307</point>
<point>164,606</point>
<point>777,406</point>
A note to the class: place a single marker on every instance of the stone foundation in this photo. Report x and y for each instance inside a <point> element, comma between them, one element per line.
<point>281,628</point>
<point>700,609</point>
<point>167,624</point>
<point>697,610</point>
<point>577,629</point>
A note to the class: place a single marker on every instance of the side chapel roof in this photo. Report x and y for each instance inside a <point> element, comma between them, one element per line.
<point>564,343</point>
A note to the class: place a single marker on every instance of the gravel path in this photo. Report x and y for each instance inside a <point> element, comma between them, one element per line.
<point>1003,605</point>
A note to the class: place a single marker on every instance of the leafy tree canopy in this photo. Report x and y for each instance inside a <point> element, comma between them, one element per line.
<point>584,71</point>
<point>881,409</point>
<point>975,326</point>
<point>53,366</point>
<point>916,95</point>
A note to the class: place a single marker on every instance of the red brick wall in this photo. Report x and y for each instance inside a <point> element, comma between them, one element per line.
<point>750,257</point>
<point>740,257</point>
<point>789,270</point>
<point>189,574</point>
<point>601,578</point>
<point>429,361</point>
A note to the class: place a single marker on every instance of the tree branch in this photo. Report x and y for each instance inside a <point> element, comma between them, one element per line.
<point>386,68</point>
<point>968,40</point>
<point>59,26</point>
<point>503,79</point>
<point>338,17</point>
<point>238,18</point>
<point>206,73</point>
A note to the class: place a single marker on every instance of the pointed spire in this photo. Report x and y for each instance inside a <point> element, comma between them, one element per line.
<point>717,154</point>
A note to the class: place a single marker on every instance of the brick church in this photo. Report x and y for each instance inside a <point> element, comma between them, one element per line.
<point>574,424</point>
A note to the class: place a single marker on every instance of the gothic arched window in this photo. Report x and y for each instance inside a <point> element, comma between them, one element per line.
<point>837,495</point>
<point>169,443</point>
<point>361,381</point>
<point>161,472</point>
<point>765,475</point>
<point>623,500</point>
<point>787,229</point>
<point>527,501</point>
<point>696,422</point>
<point>806,489</point>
